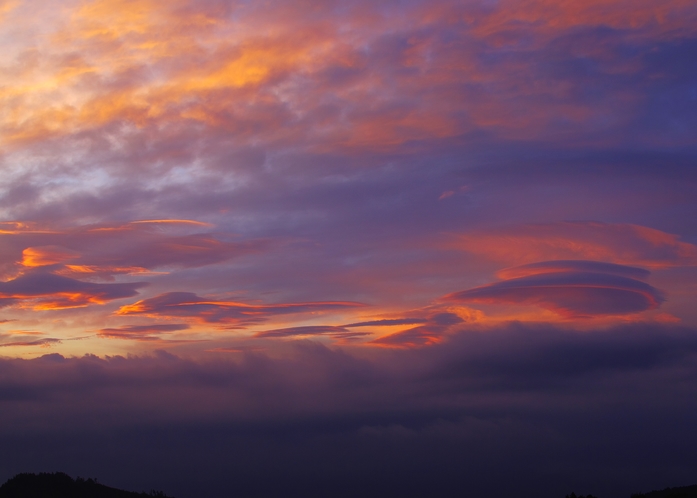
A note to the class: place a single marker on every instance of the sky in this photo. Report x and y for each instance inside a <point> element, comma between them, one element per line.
<point>397,248</point>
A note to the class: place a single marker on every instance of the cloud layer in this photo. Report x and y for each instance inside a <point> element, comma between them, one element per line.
<point>497,392</point>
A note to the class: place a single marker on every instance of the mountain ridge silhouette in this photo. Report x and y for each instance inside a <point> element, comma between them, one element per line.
<point>61,485</point>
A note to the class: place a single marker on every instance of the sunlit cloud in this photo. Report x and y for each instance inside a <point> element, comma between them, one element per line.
<point>570,288</point>
<point>573,266</point>
<point>141,332</point>
<point>107,250</point>
<point>188,304</point>
<point>46,291</point>
<point>341,333</point>
<point>47,255</point>
<point>43,343</point>
<point>387,322</point>
<point>618,243</point>
<point>432,332</point>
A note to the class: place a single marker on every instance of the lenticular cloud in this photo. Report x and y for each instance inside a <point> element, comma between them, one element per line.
<point>570,288</point>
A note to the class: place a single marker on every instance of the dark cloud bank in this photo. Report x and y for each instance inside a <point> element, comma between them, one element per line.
<point>530,411</point>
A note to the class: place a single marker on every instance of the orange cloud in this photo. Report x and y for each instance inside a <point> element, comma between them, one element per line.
<point>434,330</point>
<point>150,332</point>
<point>47,255</point>
<point>340,333</point>
<point>108,250</point>
<point>188,304</point>
<point>617,243</point>
<point>46,291</point>
<point>149,63</point>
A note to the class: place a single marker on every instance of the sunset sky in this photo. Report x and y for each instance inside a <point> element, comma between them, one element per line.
<point>396,248</point>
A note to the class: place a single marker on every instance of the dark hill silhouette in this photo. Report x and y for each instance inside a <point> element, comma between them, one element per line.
<point>683,492</point>
<point>60,485</point>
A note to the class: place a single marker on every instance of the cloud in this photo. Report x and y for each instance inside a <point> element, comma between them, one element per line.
<point>117,248</point>
<point>44,343</point>
<point>570,288</point>
<point>341,333</point>
<point>387,322</point>
<point>39,290</point>
<point>47,255</point>
<point>141,332</point>
<point>575,266</point>
<point>188,304</point>
<point>498,391</point>
<point>433,332</point>
<point>623,244</point>
<point>425,335</point>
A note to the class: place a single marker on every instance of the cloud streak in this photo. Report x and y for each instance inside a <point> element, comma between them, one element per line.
<point>141,332</point>
<point>187,304</point>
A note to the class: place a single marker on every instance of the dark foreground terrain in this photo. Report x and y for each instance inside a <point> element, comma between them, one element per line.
<point>683,492</point>
<point>60,485</point>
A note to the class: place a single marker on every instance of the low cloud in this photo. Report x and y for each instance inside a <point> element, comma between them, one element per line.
<point>498,391</point>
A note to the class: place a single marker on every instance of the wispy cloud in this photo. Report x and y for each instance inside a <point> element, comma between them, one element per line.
<point>141,332</point>
<point>187,304</point>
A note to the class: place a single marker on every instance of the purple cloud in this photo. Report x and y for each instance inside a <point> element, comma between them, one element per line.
<point>570,288</point>
<point>42,290</point>
<point>387,322</point>
<point>141,332</point>
<point>187,304</point>
<point>45,342</point>
<point>341,333</point>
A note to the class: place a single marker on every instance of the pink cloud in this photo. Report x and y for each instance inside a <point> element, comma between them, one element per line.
<point>102,251</point>
<point>341,333</point>
<point>188,304</point>
<point>570,288</point>
<point>623,244</point>
<point>141,332</point>
<point>40,290</point>
<point>44,343</point>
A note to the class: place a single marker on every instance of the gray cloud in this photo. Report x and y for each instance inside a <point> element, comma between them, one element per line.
<point>500,392</point>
